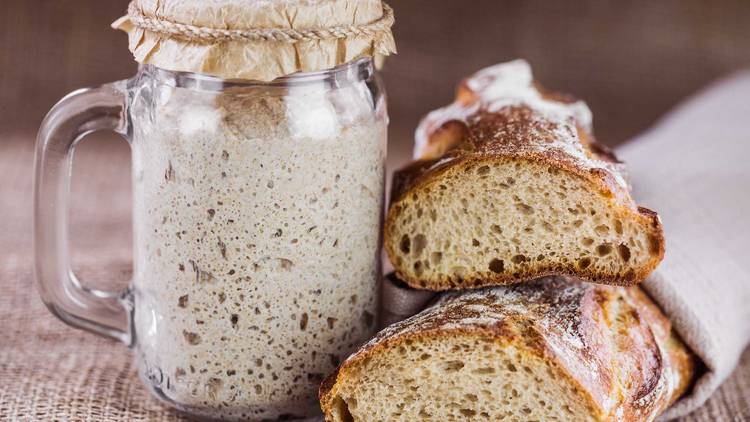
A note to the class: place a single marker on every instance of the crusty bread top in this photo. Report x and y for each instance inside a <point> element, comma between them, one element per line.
<point>497,86</point>
<point>501,110</point>
<point>614,342</point>
<point>503,119</point>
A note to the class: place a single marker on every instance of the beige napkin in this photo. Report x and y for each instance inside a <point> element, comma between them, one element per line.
<point>694,169</point>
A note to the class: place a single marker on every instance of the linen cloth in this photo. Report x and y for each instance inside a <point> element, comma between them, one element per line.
<point>693,168</point>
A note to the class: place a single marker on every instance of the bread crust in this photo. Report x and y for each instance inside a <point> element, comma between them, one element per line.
<point>479,130</point>
<point>612,343</point>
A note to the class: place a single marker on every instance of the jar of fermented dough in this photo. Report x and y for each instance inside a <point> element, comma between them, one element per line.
<point>258,167</point>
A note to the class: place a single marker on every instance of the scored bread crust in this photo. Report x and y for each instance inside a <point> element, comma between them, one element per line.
<point>537,128</point>
<point>611,345</point>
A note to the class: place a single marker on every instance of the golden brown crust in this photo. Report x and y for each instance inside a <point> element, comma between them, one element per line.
<point>518,131</point>
<point>540,126</point>
<point>613,343</point>
<point>408,176</point>
<point>682,362</point>
<point>495,113</point>
<point>443,138</point>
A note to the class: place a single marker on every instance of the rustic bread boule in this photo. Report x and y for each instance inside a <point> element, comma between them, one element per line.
<point>551,349</point>
<point>511,186</point>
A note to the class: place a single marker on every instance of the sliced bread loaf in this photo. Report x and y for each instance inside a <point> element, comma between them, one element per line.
<point>551,349</point>
<point>510,186</point>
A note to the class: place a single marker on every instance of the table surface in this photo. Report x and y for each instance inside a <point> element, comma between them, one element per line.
<point>52,372</point>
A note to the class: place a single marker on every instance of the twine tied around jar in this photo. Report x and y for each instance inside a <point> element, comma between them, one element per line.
<point>287,35</point>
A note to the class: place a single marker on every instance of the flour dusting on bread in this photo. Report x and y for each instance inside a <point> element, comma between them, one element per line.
<point>513,84</point>
<point>552,349</point>
<point>511,185</point>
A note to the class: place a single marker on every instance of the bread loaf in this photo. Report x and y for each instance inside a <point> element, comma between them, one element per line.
<point>551,349</point>
<point>510,186</point>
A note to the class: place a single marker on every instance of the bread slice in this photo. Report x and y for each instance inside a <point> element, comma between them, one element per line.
<point>549,350</point>
<point>514,187</point>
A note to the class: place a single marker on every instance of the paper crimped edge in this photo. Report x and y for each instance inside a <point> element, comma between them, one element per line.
<point>256,60</point>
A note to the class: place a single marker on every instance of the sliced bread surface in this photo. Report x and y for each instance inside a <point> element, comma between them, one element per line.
<point>552,349</point>
<point>520,190</point>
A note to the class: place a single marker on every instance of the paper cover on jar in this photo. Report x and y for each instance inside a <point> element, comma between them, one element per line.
<point>256,39</point>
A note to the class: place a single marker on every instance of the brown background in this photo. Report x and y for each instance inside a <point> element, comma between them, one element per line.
<point>631,61</point>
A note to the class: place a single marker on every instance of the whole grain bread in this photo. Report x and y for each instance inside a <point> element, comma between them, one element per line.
<point>510,185</point>
<point>551,349</point>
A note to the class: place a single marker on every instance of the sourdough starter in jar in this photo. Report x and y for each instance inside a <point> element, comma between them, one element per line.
<point>258,220</point>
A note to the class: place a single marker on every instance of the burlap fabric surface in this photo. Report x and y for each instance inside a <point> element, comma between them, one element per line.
<point>49,371</point>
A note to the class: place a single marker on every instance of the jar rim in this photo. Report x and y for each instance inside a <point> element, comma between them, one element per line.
<point>355,70</point>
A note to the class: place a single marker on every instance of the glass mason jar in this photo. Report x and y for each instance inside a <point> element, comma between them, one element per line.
<point>257,220</point>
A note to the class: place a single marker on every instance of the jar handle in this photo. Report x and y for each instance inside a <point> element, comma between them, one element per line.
<point>76,115</point>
